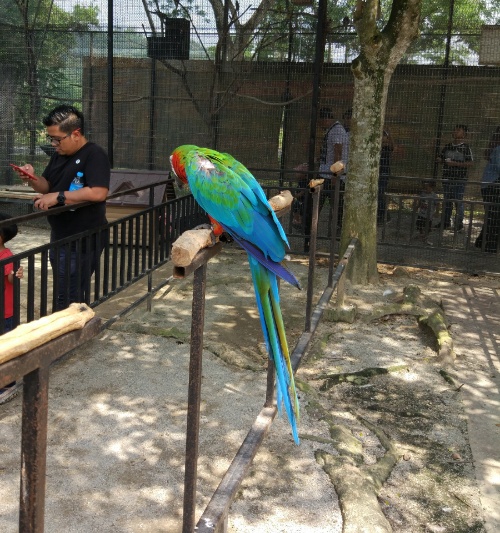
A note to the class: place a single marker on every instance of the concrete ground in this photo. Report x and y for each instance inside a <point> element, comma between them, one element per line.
<point>474,312</point>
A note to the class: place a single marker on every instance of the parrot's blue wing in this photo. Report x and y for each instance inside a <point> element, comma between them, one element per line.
<point>236,201</point>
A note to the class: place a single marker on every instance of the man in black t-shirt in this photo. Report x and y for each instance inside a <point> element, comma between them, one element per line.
<point>456,158</point>
<point>78,171</point>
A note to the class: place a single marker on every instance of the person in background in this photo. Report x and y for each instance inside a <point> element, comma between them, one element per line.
<point>335,148</point>
<point>299,197</point>
<point>456,158</point>
<point>490,191</point>
<point>384,173</point>
<point>494,142</point>
<point>6,234</point>
<point>490,172</point>
<point>78,171</point>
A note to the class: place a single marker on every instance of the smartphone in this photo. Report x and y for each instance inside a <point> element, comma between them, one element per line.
<point>23,172</point>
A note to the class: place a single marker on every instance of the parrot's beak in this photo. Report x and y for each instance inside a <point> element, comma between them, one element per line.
<point>179,183</point>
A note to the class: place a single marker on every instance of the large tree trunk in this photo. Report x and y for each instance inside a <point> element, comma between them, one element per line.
<point>381,51</point>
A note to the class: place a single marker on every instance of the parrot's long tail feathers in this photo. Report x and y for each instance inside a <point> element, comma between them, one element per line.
<point>269,264</point>
<point>268,303</point>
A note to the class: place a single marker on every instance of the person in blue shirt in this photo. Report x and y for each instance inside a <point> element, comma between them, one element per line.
<point>490,191</point>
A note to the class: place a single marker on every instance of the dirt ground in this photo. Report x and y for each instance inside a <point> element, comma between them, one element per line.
<point>432,486</point>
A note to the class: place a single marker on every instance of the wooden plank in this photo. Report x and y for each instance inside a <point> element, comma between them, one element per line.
<point>114,212</point>
<point>124,179</point>
<point>18,194</point>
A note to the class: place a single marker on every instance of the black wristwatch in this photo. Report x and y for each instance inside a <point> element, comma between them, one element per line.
<point>61,199</point>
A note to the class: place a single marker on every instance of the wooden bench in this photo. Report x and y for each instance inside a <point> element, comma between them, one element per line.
<point>123,180</point>
<point>128,204</point>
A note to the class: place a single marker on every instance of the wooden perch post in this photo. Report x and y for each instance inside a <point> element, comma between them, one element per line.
<point>28,336</point>
<point>336,168</point>
<point>281,200</point>
<point>192,241</point>
<point>189,244</point>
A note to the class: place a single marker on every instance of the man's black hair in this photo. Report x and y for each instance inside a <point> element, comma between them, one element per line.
<point>7,232</point>
<point>67,117</point>
<point>462,127</point>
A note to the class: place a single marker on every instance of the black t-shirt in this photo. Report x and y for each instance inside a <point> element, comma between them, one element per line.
<point>456,152</point>
<point>92,161</point>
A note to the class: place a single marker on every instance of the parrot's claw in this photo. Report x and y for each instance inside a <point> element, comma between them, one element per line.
<point>204,226</point>
<point>212,235</point>
<point>225,237</point>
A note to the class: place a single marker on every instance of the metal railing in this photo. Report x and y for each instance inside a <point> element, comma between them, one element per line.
<point>214,517</point>
<point>136,245</point>
<point>438,244</point>
<point>33,368</point>
<point>133,248</point>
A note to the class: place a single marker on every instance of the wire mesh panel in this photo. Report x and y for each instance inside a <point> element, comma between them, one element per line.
<point>242,78</point>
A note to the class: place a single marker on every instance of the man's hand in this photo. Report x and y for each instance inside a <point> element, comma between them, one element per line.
<point>46,201</point>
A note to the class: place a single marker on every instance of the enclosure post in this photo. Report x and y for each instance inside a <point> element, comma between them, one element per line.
<point>33,451</point>
<point>316,191</point>
<point>110,82</point>
<point>194,398</point>
<point>152,111</point>
<point>333,226</point>
<point>442,94</point>
<point>318,67</point>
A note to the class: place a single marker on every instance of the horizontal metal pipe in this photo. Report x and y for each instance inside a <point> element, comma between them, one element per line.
<point>216,511</point>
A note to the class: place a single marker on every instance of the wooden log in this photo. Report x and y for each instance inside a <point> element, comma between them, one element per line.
<point>189,244</point>
<point>28,336</point>
<point>315,183</point>
<point>437,322</point>
<point>337,167</point>
<point>281,200</point>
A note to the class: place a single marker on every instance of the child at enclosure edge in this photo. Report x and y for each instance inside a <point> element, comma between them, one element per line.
<point>6,234</point>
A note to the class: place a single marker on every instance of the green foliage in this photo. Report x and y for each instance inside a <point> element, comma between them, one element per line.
<point>186,9</point>
<point>35,42</point>
<point>468,16</point>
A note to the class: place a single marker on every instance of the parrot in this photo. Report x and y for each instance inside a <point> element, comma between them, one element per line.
<point>237,205</point>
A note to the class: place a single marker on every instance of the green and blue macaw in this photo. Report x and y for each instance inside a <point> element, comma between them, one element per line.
<point>237,204</point>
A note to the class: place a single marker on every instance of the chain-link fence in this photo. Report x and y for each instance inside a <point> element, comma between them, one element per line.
<point>150,76</point>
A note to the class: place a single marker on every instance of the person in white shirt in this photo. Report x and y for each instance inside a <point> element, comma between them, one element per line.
<point>335,148</point>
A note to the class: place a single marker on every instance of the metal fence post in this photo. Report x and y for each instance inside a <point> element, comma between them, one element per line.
<point>312,253</point>
<point>34,451</point>
<point>194,398</point>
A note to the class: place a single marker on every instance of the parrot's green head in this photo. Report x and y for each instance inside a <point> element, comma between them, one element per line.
<point>178,161</point>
